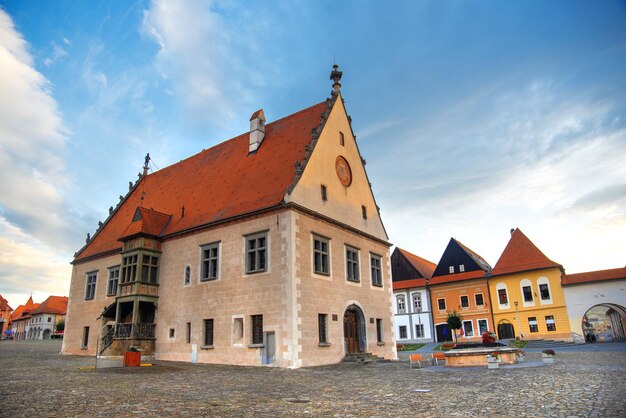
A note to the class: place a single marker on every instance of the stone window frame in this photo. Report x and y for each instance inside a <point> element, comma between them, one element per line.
<point>325,266</point>
<point>261,253</point>
<point>256,330</point>
<point>376,269</point>
<point>379,331</point>
<point>353,273</point>
<point>209,269</point>
<point>113,280</point>
<point>208,332</point>
<point>482,297</point>
<point>188,333</point>
<point>461,301</point>
<point>322,330</point>
<point>91,282</point>
<point>439,300</point>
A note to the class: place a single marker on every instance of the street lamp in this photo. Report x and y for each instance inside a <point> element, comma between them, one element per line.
<point>519,324</point>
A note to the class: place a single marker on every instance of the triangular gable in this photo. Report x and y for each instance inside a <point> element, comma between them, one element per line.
<point>455,256</point>
<point>4,305</point>
<point>146,222</point>
<point>520,255</point>
<point>406,266</point>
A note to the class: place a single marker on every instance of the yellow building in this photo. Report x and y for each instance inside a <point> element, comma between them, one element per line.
<point>526,295</point>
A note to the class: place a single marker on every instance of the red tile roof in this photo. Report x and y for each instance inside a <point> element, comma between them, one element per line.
<point>520,255</point>
<point>147,222</point>
<point>594,276</point>
<point>423,266</point>
<point>23,311</point>
<point>408,284</point>
<point>4,305</point>
<point>53,305</point>
<point>216,184</point>
<point>457,277</point>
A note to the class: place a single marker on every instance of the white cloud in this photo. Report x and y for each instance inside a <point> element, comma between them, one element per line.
<point>57,53</point>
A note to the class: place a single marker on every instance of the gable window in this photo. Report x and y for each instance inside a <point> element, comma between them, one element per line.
<point>322,328</point>
<point>129,268</point>
<point>342,140</point>
<point>441,304</point>
<point>114,277</point>
<point>468,328</point>
<point>417,302</point>
<point>210,262</point>
<point>377,274</point>
<point>403,335</point>
<point>528,293</point>
<point>257,329</point>
<point>321,256</point>
<point>379,330</point>
<point>419,330</point>
<point>149,269</point>
<point>187,280</point>
<point>256,253</point>
<point>550,324</point>
<point>478,299</point>
<point>461,268</point>
<point>401,304</point>
<point>464,301</point>
<point>364,212</point>
<point>208,333</point>
<point>451,269</point>
<point>352,264</point>
<point>324,193</point>
<point>532,324</point>
<point>90,289</point>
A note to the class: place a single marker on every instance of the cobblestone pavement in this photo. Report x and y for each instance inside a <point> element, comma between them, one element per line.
<point>36,381</point>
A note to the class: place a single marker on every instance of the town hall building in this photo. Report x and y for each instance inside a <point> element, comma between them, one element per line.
<point>266,249</point>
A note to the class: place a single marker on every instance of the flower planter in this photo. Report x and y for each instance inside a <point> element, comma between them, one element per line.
<point>521,359</point>
<point>493,363</point>
<point>132,358</point>
<point>547,358</point>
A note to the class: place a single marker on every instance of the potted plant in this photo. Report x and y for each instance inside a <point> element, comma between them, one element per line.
<point>493,360</point>
<point>132,357</point>
<point>548,356</point>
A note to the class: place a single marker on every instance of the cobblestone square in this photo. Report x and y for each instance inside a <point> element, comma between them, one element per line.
<point>36,381</point>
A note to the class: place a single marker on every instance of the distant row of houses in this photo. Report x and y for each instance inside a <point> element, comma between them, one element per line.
<point>33,321</point>
<point>526,295</point>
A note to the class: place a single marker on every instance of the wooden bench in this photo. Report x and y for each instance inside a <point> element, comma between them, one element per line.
<point>437,357</point>
<point>416,359</point>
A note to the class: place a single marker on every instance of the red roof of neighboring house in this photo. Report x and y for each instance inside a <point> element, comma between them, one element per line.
<point>425,267</point>
<point>4,305</point>
<point>457,277</point>
<point>219,183</point>
<point>594,276</point>
<point>23,311</point>
<point>408,284</point>
<point>53,305</point>
<point>520,255</point>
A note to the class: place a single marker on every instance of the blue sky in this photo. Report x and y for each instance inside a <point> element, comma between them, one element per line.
<point>474,117</point>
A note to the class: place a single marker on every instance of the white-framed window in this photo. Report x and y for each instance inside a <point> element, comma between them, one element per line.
<point>461,268</point>
<point>419,330</point>
<point>441,304</point>
<point>417,302</point>
<point>545,293</point>
<point>401,301</point>
<point>210,262</point>
<point>90,288</point>
<point>468,328</point>
<point>502,295</point>
<point>550,324</point>
<point>256,253</point>
<point>483,326</point>
<point>376,269</point>
<point>527,292</point>
<point>403,334</point>
<point>321,256</point>
<point>187,276</point>
<point>112,282</point>
<point>464,301</point>
<point>478,299</point>
<point>532,324</point>
<point>352,264</point>
<point>451,269</point>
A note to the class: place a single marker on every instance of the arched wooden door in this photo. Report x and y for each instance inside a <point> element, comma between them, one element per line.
<point>351,331</point>
<point>505,331</point>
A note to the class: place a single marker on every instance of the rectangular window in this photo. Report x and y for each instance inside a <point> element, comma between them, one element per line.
<point>544,291</point>
<point>451,269</point>
<point>352,264</point>
<point>321,256</point>
<point>478,298</point>
<point>377,272</point>
<point>464,301</point>
<point>114,277</point>
<point>322,327</point>
<point>208,333</point>
<point>403,332</point>
<point>419,330</point>
<point>364,212</point>
<point>532,324</point>
<point>528,293</point>
<point>324,193</point>
<point>187,280</point>
<point>149,269</point>
<point>341,139</point>
<point>238,331</point>
<point>256,253</point>
<point>482,326</point>
<point>461,268</point>
<point>85,342</point>
<point>90,289</point>
<point>257,329</point>
<point>417,302</point>
<point>172,333</point>
<point>129,268</point>
<point>502,297</point>
<point>379,330</point>
<point>401,304</point>
<point>550,324</point>
<point>441,303</point>
<point>468,328</point>
<point>210,262</point>
<point>188,333</point>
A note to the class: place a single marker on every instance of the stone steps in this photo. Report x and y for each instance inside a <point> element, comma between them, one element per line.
<point>549,344</point>
<point>362,358</point>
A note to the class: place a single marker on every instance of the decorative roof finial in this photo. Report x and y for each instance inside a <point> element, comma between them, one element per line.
<point>335,75</point>
<point>146,165</point>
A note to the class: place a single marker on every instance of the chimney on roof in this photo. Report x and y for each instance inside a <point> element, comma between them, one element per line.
<point>257,130</point>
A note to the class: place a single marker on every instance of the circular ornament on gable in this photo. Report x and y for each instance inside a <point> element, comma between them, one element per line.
<point>343,171</point>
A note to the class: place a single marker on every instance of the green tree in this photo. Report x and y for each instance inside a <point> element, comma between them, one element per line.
<point>60,325</point>
<point>454,322</point>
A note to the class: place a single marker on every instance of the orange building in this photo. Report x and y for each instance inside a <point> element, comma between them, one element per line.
<point>459,284</point>
<point>5,317</point>
<point>21,319</point>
